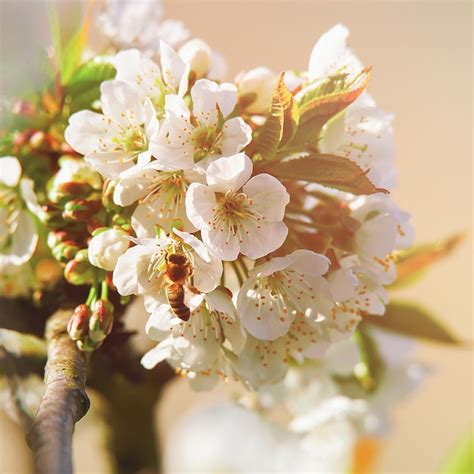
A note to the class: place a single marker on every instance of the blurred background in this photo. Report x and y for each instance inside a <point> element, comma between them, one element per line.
<point>421,54</point>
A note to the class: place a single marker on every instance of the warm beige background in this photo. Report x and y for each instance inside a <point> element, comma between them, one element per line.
<point>422,58</point>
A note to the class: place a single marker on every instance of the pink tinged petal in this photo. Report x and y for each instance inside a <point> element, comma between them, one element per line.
<point>222,244</point>
<point>131,272</point>
<point>10,171</point>
<point>175,72</point>
<point>122,103</point>
<point>200,204</point>
<point>263,238</point>
<point>236,135</point>
<point>229,173</point>
<point>158,354</point>
<point>269,196</point>
<point>261,313</point>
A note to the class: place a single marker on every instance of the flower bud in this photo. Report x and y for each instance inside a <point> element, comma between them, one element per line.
<point>80,209</point>
<point>71,190</point>
<point>259,83</point>
<point>65,251</point>
<point>51,216</point>
<point>106,247</point>
<point>88,345</point>
<point>100,323</point>
<point>197,54</point>
<point>108,196</point>
<point>37,139</point>
<point>79,272</point>
<point>77,325</point>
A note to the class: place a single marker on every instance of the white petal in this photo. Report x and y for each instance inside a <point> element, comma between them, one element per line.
<point>260,313</point>
<point>308,262</point>
<point>110,164</point>
<point>175,73</point>
<point>236,135</point>
<point>138,70</point>
<point>229,173</point>
<point>131,272</point>
<point>269,196</point>
<point>10,171</point>
<point>377,236</point>
<point>223,245</point>
<point>122,103</point>
<point>24,239</point>
<point>159,324</point>
<point>206,94</point>
<point>90,133</point>
<point>158,354</point>
<point>331,53</point>
<point>263,239</point>
<point>200,202</point>
<point>133,185</point>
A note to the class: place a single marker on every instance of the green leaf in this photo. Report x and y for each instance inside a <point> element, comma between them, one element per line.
<point>281,122</point>
<point>412,263</point>
<point>328,170</point>
<point>332,96</point>
<point>371,367</point>
<point>84,86</point>
<point>462,459</point>
<point>325,100</point>
<point>412,321</point>
<point>68,53</point>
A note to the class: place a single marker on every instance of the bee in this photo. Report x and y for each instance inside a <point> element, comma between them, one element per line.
<point>177,274</point>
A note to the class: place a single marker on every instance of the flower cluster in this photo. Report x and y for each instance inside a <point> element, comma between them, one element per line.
<point>256,222</point>
<point>252,216</point>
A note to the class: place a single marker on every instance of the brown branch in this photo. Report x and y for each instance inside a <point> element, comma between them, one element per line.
<point>64,400</point>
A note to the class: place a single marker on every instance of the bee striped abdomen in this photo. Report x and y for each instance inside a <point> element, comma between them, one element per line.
<point>175,295</point>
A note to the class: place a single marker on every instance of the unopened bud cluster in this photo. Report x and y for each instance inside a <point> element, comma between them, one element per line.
<point>90,325</point>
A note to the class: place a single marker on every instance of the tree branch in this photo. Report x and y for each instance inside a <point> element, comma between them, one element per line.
<point>64,400</point>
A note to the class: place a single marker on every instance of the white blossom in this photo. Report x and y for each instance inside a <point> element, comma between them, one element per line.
<point>203,133</point>
<point>203,346</point>
<point>106,247</point>
<point>121,137</point>
<point>140,270</point>
<point>258,82</point>
<point>18,234</point>
<point>131,23</point>
<point>150,80</point>
<point>236,214</point>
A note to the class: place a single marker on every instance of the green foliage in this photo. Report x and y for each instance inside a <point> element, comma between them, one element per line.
<point>371,367</point>
<point>281,123</point>
<point>325,100</point>
<point>461,460</point>
<point>412,263</point>
<point>411,320</point>
<point>328,170</point>
<point>84,86</point>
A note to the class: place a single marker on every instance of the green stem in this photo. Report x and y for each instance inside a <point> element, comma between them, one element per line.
<point>92,295</point>
<point>104,295</point>
<point>237,272</point>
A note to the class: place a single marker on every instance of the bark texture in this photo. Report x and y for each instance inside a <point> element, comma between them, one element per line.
<point>64,401</point>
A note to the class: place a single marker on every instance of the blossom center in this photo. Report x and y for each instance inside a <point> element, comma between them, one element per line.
<point>207,141</point>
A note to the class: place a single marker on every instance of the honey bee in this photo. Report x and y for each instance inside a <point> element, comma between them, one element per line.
<point>177,274</point>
